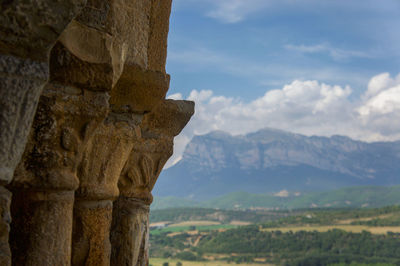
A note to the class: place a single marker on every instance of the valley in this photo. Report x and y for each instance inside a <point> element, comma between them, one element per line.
<point>301,237</point>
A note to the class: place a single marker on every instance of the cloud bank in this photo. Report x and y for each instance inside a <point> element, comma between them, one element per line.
<point>305,107</point>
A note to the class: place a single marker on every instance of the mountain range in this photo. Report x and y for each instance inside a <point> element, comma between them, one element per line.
<point>269,161</point>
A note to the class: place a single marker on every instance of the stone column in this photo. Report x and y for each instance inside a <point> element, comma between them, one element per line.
<point>71,107</point>
<point>130,226</point>
<point>136,92</point>
<point>28,30</point>
<point>99,171</point>
<point>45,180</point>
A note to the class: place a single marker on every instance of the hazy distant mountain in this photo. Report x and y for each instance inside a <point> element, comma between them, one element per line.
<point>272,160</point>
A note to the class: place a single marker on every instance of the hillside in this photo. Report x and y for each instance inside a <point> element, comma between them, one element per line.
<point>304,237</point>
<point>271,160</point>
<point>354,197</point>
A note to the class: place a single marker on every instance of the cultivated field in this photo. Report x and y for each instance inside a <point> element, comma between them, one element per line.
<point>347,228</point>
<point>301,237</point>
<point>195,223</point>
<point>173,262</point>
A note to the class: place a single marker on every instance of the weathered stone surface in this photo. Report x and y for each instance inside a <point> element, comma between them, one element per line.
<point>41,227</point>
<point>71,70</point>
<point>139,90</point>
<point>64,123</point>
<point>168,119</point>
<point>5,220</point>
<point>159,27</point>
<point>102,130</point>
<point>29,28</point>
<point>95,14</point>
<point>105,156</point>
<point>130,234</point>
<point>130,226</point>
<point>129,23</point>
<point>143,167</point>
<point>91,231</point>
<point>21,82</point>
<point>102,163</point>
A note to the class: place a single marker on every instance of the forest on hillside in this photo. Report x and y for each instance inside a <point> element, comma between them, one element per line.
<point>304,237</point>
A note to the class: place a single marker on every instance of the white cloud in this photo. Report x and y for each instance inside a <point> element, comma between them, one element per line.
<point>387,101</point>
<point>233,11</point>
<point>228,11</point>
<point>336,54</point>
<point>175,96</point>
<point>306,107</point>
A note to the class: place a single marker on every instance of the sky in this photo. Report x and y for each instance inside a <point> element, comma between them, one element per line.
<point>315,67</point>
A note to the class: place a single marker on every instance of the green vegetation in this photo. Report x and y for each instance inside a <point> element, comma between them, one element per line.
<point>305,248</point>
<point>201,228</point>
<point>354,197</point>
<point>177,215</point>
<point>390,216</point>
<point>280,239</point>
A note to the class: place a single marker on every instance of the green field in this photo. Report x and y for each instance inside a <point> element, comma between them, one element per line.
<point>173,262</point>
<point>187,228</point>
<point>303,237</point>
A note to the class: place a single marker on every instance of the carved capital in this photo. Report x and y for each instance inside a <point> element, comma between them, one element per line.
<point>143,167</point>
<point>105,156</point>
<point>151,152</point>
<point>64,123</point>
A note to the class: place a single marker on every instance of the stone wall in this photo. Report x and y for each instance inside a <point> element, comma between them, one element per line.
<point>85,128</point>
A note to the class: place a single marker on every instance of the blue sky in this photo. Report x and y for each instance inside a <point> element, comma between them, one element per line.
<point>316,67</point>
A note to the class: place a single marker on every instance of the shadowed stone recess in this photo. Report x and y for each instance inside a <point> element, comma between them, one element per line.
<point>41,233</point>
<point>5,220</point>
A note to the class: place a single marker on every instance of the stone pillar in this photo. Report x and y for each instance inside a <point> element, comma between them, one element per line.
<point>5,220</point>
<point>99,171</point>
<point>130,226</point>
<point>28,30</point>
<point>136,92</point>
<point>45,180</point>
<point>70,109</point>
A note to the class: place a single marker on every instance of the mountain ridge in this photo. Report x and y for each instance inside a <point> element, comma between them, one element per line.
<point>273,160</point>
